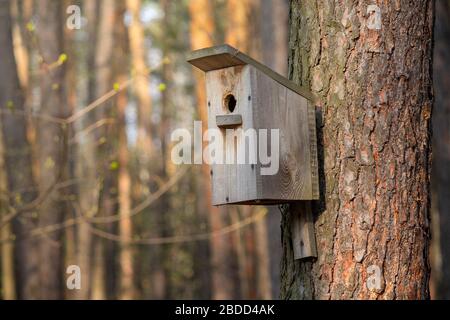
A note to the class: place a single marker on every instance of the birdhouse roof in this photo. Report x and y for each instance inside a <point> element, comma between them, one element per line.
<point>225,56</point>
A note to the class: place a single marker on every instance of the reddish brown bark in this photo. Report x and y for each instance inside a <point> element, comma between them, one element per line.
<point>375,99</point>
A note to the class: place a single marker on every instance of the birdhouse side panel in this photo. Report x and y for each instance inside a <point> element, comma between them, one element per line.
<point>279,108</point>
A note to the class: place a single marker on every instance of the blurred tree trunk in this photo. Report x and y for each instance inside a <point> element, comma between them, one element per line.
<point>244,31</point>
<point>238,33</point>
<point>141,83</point>
<point>162,266</point>
<point>441,155</point>
<point>243,26</point>
<point>274,34</point>
<point>202,36</point>
<point>70,190</point>
<point>86,163</point>
<point>52,144</point>
<point>22,63</point>
<point>7,281</point>
<point>21,51</point>
<point>263,278</point>
<point>104,266</point>
<point>126,258</point>
<point>145,150</point>
<point>27,52</point>
<point>18,162</point>
<point>373,80</point>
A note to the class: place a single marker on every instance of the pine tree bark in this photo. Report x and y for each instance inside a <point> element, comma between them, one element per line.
<point>372,75</point>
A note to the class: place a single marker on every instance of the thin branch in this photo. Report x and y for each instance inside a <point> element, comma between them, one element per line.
<point>40,231</point>
<point>42,197</point>
<point>146,203</point>
<point>182,239</point>
<point>92,127</point>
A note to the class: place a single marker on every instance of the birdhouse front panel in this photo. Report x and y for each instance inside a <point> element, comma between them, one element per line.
<point>229,97</point>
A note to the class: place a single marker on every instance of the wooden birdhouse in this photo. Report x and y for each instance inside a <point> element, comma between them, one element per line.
<point>247,97</point>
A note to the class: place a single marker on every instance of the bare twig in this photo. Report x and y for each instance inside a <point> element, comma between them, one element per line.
<point>183,238</point>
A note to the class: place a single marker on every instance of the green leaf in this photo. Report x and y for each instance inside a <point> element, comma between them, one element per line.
<point>162,87</point>
<point>62,58</point>
<point>114,166</point>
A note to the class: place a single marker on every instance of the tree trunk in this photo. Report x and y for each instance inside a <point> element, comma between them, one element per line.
<point>104,266</point>
<point>86,164</point>
<point>274,34</point>
<point>126,258</point>
<point>441,154</point>
<point>245,32</point>
<point>372,75</point>
<point>141,83</point>
<point>20,47</point>
<point>7,280</point>
<point>18,162</point>
<point>52,145</point>
<point>69,192</point>
<point>202,35</point>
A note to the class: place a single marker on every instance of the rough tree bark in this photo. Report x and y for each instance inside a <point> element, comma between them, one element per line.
<point>18,162</point>
<point>52,144</point>
<point>441,153</point>
<point>372,75</point>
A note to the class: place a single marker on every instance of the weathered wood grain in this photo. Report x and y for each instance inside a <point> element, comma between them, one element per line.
<point>231,183</point>
<point>302,230</point>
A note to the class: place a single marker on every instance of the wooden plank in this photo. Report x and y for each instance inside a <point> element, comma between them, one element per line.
<point>225,56</point>
<point>313,150</point>
<point>302,230</point>
<point>277,107</point>
<point>228,121</point>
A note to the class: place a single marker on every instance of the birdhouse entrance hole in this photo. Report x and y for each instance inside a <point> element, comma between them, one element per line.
<point>230,102</point>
